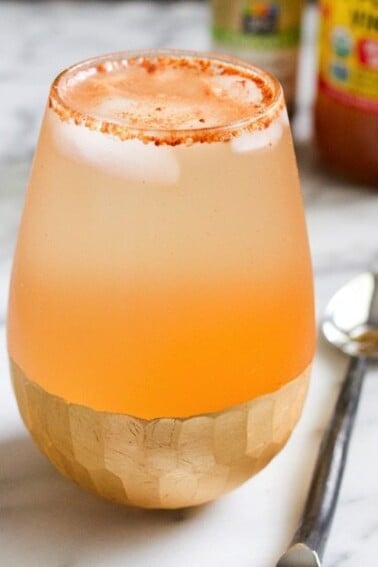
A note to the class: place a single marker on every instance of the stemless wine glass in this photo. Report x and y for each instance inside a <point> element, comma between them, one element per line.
<point>161,323</point>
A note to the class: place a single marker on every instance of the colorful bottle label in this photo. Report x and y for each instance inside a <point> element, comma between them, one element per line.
<point>265,33</point>
<point>348,52</point>
<point>256,24</point>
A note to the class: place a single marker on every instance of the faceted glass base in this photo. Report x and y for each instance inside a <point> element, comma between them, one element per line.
<point>165,462</point>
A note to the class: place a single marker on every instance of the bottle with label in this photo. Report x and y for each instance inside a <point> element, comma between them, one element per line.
<point>266,34</point>
<point>346,111</point>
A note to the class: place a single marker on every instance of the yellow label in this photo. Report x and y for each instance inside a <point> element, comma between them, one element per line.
<point>348,52</point>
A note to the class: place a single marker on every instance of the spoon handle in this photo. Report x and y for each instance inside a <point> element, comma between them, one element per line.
<point>326,480</point>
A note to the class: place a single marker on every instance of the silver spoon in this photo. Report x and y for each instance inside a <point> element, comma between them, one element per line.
<point>351,324</point>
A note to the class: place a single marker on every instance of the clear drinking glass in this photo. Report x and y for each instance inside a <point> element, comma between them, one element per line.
<point>161,323</point>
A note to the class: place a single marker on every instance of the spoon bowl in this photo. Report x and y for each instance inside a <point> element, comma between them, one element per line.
<point>351,318</point>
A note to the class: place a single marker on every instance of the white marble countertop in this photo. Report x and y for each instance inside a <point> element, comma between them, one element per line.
<point>47,521</point>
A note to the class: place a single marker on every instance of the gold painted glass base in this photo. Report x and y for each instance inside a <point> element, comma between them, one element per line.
<point>165,462</point>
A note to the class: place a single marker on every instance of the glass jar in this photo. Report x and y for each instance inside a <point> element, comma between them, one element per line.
<point>346,111</point>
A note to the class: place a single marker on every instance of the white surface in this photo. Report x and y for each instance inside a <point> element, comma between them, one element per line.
<point>47,521</point>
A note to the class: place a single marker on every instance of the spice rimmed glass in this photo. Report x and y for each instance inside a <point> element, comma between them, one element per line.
<point>161,307</point>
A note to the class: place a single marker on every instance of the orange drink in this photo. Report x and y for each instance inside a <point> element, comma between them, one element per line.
<point>161,303</point>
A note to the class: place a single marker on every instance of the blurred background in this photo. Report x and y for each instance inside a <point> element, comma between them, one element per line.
<point>50,523</point>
